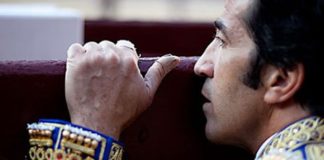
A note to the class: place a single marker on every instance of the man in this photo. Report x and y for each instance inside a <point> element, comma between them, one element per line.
<point>263,81</point>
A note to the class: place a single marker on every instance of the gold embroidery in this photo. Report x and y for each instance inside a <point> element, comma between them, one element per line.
<point>315,151</point>
<point>73,146</point>
<point>40,153</point>
<point>49,154</point>
<point>116,152</point>
<point>74,157</point>
<point>78,147</point>
<point>103,147</point>
<point>32,153</point>
<point>89,158</point>
<point>59,154</point>
<point>41,142</point>
<point>274,157</point>
<point>307,131</point>
<point>297,155</point>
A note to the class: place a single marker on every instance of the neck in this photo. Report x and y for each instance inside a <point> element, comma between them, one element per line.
<point>278,118</point>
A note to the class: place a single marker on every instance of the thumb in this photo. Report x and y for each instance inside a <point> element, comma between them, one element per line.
<point>158,71</point>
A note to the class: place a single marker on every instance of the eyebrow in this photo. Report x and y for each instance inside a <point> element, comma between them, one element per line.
<point>221,27</point>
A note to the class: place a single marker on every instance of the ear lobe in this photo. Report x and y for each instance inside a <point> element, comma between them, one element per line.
<point>282,84</point>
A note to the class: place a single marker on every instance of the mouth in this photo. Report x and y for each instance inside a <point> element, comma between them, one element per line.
<point>207,105</point>
<point>205,97</point>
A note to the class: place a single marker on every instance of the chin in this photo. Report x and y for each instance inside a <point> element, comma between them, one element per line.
<point>210,137</point>
<point>214,138</point>
<point>210,132</point>
<point>215,135</point>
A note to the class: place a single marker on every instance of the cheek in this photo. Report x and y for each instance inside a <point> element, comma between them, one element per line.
<point>232,63</point>
<point>226,86</point>
<point>228,70</point>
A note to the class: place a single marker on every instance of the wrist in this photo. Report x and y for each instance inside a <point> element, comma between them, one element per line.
<point>97,125</point>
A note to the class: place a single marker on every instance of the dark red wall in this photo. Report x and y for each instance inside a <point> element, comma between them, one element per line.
<point>154,38</point>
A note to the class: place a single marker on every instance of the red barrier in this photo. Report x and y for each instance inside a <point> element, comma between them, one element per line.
<point>171,129</point>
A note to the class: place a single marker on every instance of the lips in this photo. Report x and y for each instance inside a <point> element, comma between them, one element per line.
<point>207,108</point>
<point>206,98</point>
<point>207,103</point>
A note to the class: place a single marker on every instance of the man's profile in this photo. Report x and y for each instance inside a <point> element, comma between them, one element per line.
<point>263,85</point>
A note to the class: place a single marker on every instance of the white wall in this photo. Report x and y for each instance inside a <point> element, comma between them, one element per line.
<point>38,32</point>
<point>42,35</point>
<point>156,10</point>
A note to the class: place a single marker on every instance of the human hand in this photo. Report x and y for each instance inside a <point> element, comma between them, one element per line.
<point>104,88</point>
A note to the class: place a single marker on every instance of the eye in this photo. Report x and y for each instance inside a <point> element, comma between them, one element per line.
<point>219,41</point>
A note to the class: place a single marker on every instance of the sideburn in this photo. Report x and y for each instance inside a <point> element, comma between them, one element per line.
<point>252,77</point>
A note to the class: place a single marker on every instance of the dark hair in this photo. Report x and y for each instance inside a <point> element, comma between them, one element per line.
<point>288,32</point>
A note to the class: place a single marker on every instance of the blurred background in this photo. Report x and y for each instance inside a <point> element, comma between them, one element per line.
<point>34,38</point>
<point>44,29</point>
<point>143,10</point>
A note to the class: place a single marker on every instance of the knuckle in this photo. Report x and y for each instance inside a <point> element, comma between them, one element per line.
<point>91,44</point>
<point>91,60</point>
<point>106,43</point>
<point>161,72</point>
<point>113,58</point>
<point>130,63</point>
<point>97,59</point>
<point>129,59</point>
<point>160,69</point>
<point>74,48</point>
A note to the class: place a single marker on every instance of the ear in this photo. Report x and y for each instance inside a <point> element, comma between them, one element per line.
<point>281,84</point>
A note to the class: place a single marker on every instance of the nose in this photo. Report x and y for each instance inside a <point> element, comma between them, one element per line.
<point>204,66</point>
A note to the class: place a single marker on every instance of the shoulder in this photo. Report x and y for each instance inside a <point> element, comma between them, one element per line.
<point>314,151</point>
<point>302,140</point>
<point>307,152</point>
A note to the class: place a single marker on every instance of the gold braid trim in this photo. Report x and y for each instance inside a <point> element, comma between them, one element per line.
<point>304,132</point>
<point>71,147</point>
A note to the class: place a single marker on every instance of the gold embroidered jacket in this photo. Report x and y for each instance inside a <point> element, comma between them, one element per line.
<point>302,140</point>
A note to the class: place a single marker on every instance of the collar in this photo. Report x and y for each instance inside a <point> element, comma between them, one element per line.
<point>293,136</point>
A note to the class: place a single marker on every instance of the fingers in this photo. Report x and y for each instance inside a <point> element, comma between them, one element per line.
<point>92,47</point>
<point>158,71</point>
<point>129,54</point>
<point>75,50</point>
<point>108,46</point>
<point>128,46</point>
<point>104,47</point>
<point>105,52</point>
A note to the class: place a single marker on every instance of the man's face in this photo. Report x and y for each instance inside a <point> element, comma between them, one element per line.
<point>233,111</point>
